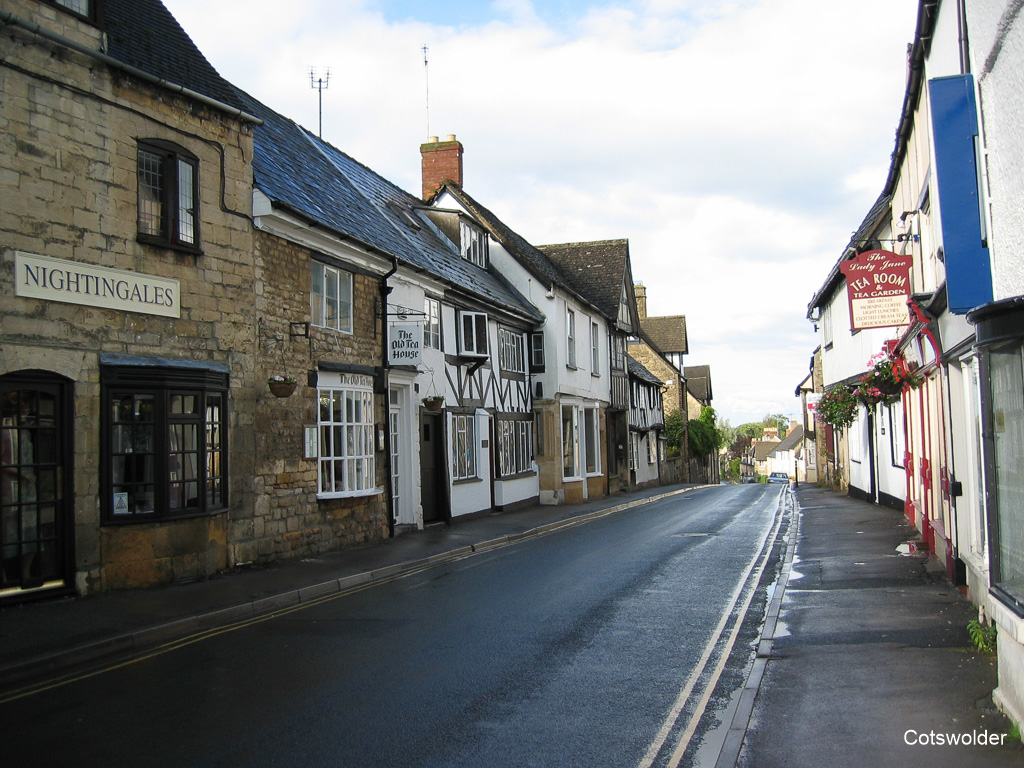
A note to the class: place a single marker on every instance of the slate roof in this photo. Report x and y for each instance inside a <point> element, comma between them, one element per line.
<point>299,172</point>
<point>531,257</point>
<point>636,369</point>
<point>667,332</point>
<point>698,381</point>
<point>598,270</point>
<point>309,177</point>
<point>144,34</point>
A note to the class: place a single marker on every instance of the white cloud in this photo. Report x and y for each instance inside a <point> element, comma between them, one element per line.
<point>736,144</point>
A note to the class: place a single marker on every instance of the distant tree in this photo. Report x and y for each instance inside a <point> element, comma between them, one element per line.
<point>777,420</point>
<point>740,444</point>
<point>750,430</point>
<point>726,430</point>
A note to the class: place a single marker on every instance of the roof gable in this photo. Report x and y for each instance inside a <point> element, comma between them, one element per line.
<point>668,333</point>
<point>698,382</point>
<point>144,35</point>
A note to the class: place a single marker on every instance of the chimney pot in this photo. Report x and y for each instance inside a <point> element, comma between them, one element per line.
<point>450,137</point>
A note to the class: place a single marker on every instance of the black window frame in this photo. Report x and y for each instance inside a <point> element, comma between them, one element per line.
<point>170,155</point>
<point>93,15</point>
<point>163,384</point>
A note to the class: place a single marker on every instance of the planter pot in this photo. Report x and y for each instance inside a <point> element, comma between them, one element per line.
<point>433,403</point>
<point>889,387</point>
<point>282,388</point>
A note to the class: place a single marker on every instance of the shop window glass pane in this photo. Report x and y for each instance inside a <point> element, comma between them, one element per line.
<point>1007,378</point>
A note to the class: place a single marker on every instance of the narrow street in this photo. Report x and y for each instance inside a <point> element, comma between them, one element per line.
<point>599,645</point>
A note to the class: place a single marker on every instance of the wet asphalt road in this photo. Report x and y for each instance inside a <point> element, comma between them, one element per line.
<point>567,650</point>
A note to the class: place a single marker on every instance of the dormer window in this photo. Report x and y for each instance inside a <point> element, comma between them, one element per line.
<point>474,243</point>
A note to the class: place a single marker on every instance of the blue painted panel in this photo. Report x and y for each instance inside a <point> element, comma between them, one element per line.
<point>955,130</point>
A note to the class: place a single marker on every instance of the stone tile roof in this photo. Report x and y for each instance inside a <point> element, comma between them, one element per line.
<point>667,332</point>
<point>790,441</point>
<point>698,381</point>
<point>597,269</point>
<point>636,369</point>
<point>144,34</point>
<point>764,448</point>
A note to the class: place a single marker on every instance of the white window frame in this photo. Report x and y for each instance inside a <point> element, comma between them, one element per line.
<point>470,345</point>
<point>464,459</point>
<point>346,458</point>
<point>570,338</point>
<point>473,243</point>
<point>431,323</point>
<point>512,351</point>
<point>595,348</point>
<point>323,279</point>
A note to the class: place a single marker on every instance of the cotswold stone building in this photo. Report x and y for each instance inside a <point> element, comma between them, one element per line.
<point>146,312</point>
<point>126,267</point>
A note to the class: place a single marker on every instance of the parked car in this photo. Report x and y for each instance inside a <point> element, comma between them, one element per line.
<point>778,477</point>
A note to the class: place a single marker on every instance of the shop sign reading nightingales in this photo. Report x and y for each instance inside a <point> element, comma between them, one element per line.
<point>43,277</point>
<point>878,286</point>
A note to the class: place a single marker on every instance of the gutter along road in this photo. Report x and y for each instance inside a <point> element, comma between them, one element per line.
<point>598,645</point>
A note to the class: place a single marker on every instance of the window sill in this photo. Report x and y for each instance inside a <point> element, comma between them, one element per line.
<point>518,475</point>
<point>346,331</point>
<point>467,481</point>
<point>157,242</point>
<point>348,494</point>
<point>143,518</point>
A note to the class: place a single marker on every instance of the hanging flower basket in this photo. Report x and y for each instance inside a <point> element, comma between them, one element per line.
<point>433,403</point>
<point>838,407</point>
<point>889,377</point>
<point>871,395</point>
<point>281,386</point>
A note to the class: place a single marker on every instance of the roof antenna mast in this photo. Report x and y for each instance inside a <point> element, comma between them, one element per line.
<point>426,74</point>
<point>320,83</point>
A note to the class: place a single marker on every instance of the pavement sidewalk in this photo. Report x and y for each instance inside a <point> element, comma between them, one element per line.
<point>865,659</point>
<point>47,637</point>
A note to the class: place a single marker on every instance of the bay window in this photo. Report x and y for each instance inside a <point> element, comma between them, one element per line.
<point>165,437</point>
<point>345,421</point>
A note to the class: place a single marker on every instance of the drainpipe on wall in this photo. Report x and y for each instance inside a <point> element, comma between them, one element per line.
<point>389,495</point>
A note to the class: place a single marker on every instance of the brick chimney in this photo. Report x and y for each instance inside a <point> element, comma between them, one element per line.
<point>640,293</point>
<point>442,161</point>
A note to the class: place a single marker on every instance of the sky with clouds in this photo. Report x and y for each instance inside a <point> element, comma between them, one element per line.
<point>737,144</point>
